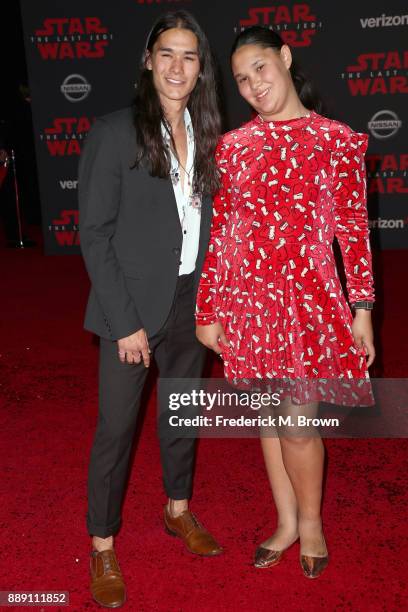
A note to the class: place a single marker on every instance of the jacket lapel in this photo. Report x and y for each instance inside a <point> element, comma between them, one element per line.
<point>171,208</point>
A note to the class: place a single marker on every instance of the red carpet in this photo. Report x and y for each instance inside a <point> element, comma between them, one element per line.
<point>48,409</point>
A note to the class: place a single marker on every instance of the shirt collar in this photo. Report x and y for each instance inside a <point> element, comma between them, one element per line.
<point>187,122</point>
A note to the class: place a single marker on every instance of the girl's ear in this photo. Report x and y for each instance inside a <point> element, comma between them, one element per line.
<point>286,56</point>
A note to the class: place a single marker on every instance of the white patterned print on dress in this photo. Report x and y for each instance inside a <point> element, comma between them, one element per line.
<point>288,189</point>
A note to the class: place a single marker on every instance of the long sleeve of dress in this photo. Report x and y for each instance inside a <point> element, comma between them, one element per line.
<point>350,210</point>
<point>206,295</point>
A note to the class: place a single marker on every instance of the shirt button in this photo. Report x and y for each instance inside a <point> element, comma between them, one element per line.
<point>185,232</point>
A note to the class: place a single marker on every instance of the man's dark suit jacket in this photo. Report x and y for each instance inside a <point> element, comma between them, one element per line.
<point>130,233</point>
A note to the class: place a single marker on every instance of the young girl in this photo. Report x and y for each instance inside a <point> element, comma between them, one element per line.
<point>270,300</point>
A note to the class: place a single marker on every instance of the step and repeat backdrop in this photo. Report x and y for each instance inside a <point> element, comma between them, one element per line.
<point>83,57</point>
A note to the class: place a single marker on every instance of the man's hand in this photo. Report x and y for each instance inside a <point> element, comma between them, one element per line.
<point>363,333</point>
<point>135,348</point>
<point>212,336</point>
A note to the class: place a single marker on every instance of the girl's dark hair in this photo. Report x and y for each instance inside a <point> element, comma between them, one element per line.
<point>202,105</point>
<point>264,37</point>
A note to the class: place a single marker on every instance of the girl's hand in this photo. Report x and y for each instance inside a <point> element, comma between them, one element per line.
<point>212,336</point>
<point>363,333</point>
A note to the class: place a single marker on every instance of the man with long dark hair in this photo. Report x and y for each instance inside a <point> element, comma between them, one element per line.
<point>145,178</point>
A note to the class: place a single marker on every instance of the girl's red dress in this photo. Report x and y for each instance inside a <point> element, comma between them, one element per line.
<point>269,277</point>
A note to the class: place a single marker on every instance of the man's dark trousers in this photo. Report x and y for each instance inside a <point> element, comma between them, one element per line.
<point>178,354</point>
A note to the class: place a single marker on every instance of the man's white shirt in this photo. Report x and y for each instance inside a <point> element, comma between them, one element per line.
<point>188,203</point>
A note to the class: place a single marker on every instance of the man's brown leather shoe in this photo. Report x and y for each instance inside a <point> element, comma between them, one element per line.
<point>197,539</point>
<point>107,586</point>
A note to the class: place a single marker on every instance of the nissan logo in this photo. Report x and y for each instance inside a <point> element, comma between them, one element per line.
<point>75,88</point>
<point>384,124</point>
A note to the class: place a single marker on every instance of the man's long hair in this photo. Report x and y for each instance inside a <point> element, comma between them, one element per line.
<point>202,105</point>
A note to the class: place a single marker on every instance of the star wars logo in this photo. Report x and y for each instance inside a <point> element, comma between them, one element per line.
<point>387,173</point>
<point>65,136</point>
<point>296,24</point>
<point>72,38</point>
<point>378,73</point>
<point>65,229</point>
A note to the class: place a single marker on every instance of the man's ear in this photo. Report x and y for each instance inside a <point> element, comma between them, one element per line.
<point>286,56</point>
<point>148,60</point>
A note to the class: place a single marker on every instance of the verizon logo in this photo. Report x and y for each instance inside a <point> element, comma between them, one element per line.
<point>384,21</point>
<point>386,223</point>
<point>68,184</point>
